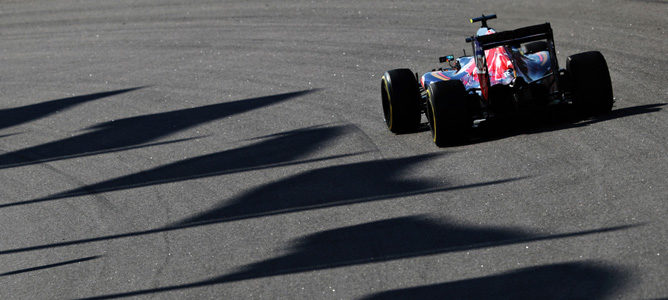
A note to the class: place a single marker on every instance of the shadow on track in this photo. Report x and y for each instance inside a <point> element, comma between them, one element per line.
<point>49,266</point>
<point>325,187</point>
<point>279,150</point>
<point>133,132</point>
<point>330,186</point>
<point>9,134</point>
<point>378,241</point>
<point>570,119</point>
<point>14,116</point>
<point>557,119</point>
<point>573,280</point>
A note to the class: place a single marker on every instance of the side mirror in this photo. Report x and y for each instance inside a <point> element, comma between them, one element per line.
<point>446,58</point>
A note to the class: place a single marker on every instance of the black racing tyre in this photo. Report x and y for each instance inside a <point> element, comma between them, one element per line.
<point>447,112</point>
<point>534,47</point>
<point>401,101</point>
<point>590,82</point>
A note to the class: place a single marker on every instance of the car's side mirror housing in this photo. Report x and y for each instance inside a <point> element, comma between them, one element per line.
<point>446,58</point>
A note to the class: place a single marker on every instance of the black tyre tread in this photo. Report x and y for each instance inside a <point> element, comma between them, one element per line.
<point>402,95</point>
<point>590,81</point>
<point>448,114</point>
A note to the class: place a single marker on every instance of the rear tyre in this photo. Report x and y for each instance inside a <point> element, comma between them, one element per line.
<point>401,101</point>
<point>534,47</point>
<point>448,114</point>
<point>590,82</point>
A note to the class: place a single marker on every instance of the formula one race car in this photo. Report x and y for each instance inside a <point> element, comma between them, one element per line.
<point>510,72</point>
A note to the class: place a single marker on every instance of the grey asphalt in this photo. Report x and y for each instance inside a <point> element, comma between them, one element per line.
<point>237,150</point>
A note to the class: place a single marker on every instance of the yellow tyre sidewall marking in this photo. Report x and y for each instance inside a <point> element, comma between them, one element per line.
<point>389,101</point>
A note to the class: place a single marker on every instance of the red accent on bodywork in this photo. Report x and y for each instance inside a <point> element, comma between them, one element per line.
<point>498,63</point>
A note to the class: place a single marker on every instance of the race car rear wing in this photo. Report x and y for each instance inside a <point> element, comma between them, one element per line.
<point>517,36</point>
<point>511,37</point>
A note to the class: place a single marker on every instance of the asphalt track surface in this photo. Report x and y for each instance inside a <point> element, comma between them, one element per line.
<point>236,149</point>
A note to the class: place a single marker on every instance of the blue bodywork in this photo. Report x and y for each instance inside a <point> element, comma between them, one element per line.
<point>529,67</point>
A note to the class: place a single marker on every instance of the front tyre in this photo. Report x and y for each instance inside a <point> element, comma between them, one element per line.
<point>401,101</point>
<point>447,111</point>
<point>590,80</point>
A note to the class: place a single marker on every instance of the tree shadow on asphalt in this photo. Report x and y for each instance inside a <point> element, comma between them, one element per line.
<point>277,150</point>
<point>325,187</point>
<point>572,280</point>
<point>74,261</point>
<point>552,120</point>
<point>18,115</point>
<point>9,134</point>
<point>380,241</point>
<point>331,186</point>
<point>135,132</point>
